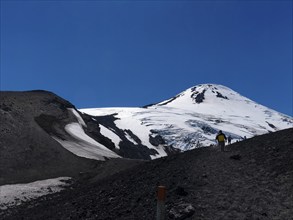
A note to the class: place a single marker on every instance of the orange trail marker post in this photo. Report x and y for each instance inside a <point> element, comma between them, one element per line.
<point>161,197</point>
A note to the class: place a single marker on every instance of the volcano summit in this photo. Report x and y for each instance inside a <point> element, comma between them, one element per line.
<point>192,118</point>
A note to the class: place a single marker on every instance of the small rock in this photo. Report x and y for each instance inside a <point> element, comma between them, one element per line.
<point>181,191</point>
<point>236,157</point>
<point>181,211</point>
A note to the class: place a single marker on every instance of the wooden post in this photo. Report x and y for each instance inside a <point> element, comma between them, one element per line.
<point>161,197</point>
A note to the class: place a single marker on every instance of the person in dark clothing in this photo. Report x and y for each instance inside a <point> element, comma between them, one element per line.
<point>221,138</point>
<point>229,139</point>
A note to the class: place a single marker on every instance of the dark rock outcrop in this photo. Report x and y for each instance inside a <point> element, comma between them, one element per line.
<point>198,96</point>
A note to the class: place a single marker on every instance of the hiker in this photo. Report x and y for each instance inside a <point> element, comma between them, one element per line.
<point>229,139</point>
<point>221,138</point>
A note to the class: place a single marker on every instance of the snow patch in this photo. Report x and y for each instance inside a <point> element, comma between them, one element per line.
<point>110,134</point>
<point>84,146</point>
<point>15,194</point>
<point>78,117</point>
<point>129,138</point>
<point>161,152</point>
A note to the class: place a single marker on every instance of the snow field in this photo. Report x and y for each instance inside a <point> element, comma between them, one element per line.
<point>235,115</point>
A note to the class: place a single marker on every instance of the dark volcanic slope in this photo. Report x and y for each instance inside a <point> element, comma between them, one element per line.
<point>253,180</point>
<point>27,151</point>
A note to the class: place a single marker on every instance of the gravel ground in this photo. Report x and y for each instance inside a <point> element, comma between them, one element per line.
<point>252,180</point>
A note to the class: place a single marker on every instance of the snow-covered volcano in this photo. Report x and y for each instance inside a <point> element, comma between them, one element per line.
<point>44,136</point>
<point>191,119</point>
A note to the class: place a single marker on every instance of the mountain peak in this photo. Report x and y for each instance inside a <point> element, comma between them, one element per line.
<point>198,92</point>
<point>203,94</point>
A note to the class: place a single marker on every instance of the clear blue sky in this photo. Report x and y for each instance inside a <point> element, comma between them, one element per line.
<point>133,53</point>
